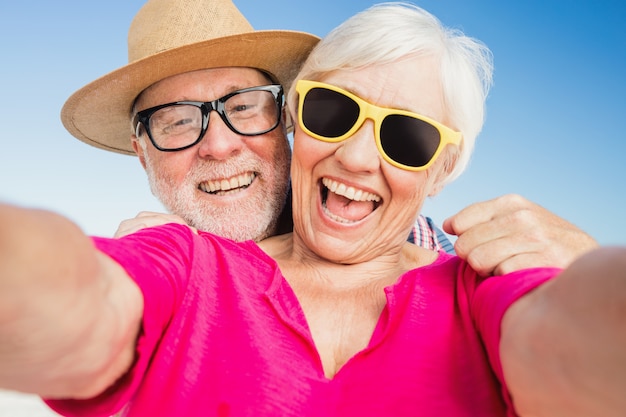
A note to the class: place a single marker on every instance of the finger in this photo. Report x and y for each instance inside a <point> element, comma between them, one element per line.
<point>493,230</point>
<point>145,214</point>
<point>488,245</point>
<point>144,220</point>
<point>483,212</point>
<point>487,257</point>
<point>523,247</point>
<point>129,226</point>
<point>510,253</point>
<point>522,261</point>
<point>469,217</point>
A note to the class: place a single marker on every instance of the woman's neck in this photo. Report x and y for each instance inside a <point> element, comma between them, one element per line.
<point>342,303</point>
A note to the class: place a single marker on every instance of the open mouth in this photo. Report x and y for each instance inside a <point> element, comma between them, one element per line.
<point>346,204</point>
<point>228,185</point>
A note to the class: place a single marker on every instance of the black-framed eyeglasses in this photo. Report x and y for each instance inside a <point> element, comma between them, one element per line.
<point>180,125</point>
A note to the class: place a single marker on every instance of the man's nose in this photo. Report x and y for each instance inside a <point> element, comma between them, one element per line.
<point>219,141</point>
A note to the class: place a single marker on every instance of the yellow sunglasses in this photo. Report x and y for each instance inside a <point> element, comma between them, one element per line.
<point>406,140</point>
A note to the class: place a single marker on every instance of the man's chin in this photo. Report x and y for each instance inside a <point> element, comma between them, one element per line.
<point>235,223</point>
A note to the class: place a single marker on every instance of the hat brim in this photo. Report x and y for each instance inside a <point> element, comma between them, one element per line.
<point>99,113</point>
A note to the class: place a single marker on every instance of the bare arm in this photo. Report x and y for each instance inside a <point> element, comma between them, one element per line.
<point>510,233</point>
<point>69,315</point>
<point>563,346</point>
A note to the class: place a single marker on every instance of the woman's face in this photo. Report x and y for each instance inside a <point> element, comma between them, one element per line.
<point>351,205</point>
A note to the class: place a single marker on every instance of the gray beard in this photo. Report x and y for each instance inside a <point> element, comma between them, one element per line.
<point>253,219</point>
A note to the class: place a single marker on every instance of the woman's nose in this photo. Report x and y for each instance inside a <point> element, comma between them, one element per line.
<point>359,153</point>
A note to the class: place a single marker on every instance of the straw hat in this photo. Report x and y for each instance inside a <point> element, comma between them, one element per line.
<point>169,37</point>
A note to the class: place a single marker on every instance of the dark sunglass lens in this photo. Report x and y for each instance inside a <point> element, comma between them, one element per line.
<point>408,140</point>
<point>329,113</point>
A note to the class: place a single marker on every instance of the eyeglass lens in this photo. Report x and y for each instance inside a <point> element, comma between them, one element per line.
<point>328,113</point>
<point>406,140</point>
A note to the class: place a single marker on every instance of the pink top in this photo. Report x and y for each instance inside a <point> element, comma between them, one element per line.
<point>224,335</point>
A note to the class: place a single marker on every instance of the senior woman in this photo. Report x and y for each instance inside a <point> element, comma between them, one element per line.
<point>342,317</point>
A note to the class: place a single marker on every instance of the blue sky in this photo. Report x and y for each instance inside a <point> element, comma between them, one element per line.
<point>555,120</point>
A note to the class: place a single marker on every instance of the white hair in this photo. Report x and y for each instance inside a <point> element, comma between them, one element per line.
<point>388,32</point>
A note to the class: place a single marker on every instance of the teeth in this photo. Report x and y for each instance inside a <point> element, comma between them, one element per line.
<point>239,181</point>
<point>349,192</point>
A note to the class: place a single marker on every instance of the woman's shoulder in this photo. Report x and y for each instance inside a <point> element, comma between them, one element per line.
<point>417,257</point>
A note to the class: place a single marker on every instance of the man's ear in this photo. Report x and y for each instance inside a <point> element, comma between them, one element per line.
<point>138,150</point>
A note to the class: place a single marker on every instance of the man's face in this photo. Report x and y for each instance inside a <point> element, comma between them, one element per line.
<point>228,184</point>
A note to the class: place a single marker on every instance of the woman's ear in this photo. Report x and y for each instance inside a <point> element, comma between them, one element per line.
<point>442,174</point>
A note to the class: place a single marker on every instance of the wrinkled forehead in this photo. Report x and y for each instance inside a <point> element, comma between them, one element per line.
<point>412,84</point>
<point>203,85</point>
